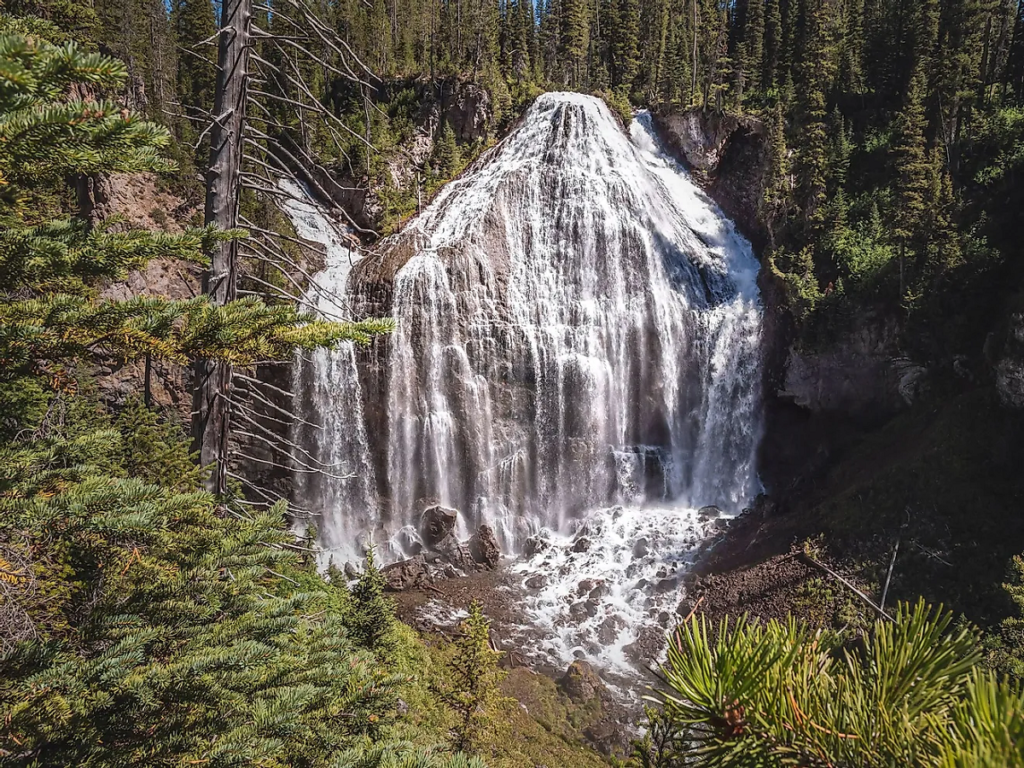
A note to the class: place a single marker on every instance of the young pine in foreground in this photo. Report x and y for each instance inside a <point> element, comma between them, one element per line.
<point>911,693</point>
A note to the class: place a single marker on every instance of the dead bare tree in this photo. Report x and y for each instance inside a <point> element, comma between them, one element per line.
<point>253,151</point>
<point>210,411</point>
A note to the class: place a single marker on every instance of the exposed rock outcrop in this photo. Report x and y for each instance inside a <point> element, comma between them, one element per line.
<point>862,374</point>
<point>140,203</point>
<point>465,105</point>
<point>484,548</point>
<point>728,154</point>
<point>469,111</point>
<point>1009,368</point>
<point>137,198</point>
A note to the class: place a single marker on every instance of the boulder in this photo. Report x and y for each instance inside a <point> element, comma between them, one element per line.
<point>709,512</point>
<point>581,683</point>
<point>454,552</point>
<point>407,574</point>
<point>537,581</point>
<point>608,630</point>
<point>600,590</point>
<point>484,548</point>
<point>534,545</point>
<point>581,544</point>
<point>407,541</point>
<point>666,585</point>
<point>641,547</point>
<point>437,523</point>
<point>648,645</point>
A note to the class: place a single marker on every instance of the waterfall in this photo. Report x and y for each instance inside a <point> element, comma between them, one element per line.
<point>577,327</point>
<point>328,404</point>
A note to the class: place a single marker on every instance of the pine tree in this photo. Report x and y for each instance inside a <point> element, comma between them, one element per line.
<point>851,68</point>
<point>811,164</point>
<point>911,694</point>
<point>912,171</point>
<point>626,46</point>
<point>447,159</point>
<point>195,28</point>
<point>776,183</point>
<point>772,44</point>
<point>1015,58</point>
<point>574,40</point>
<point>473,676</point>
<point>752,61</point>
<point>371,617</point>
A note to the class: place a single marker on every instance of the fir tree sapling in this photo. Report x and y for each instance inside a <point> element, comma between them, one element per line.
<point>470,690</point>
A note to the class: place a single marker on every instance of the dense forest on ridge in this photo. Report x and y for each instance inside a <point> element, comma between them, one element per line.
<point>147,621</point>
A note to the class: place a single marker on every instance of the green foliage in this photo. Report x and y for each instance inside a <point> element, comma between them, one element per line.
<point>470,687</point>
<point>1009,655</point>
<point>154,449</point>
<point>911,694</point>
<point>140,622</point>
<point>447,159</point>
<point>160,631</point>
<point>371,617</point>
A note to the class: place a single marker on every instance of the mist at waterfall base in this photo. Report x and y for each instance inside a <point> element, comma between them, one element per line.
<point>576,363</point>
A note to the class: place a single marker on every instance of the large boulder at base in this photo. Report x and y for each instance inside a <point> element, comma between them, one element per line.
<point>437,523</point>
<point>484,547</point>
<point>407,574</point>
<point>456,553</point>
<point>581,683</point>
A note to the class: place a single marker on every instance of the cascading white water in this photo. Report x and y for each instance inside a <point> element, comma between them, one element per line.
<point>337,485</point>
<point>578,327</point>
<point>572,299</point>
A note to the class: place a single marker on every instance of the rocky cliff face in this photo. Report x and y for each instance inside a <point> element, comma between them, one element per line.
<point>862,374</point>
<point>465,105</point>
<point>1009,362</point>
<point>140,202</point>
<point>817,398</point>
<point>728,156</point>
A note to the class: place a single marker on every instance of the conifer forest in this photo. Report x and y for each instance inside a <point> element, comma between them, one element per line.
<point>512,383</point>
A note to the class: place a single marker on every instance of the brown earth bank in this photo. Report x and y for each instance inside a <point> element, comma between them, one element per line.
<point>939,484</point>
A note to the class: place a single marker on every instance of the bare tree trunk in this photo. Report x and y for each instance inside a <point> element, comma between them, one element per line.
<point>210,405</point>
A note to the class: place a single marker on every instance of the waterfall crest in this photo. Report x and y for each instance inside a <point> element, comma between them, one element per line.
<point>577,326</point>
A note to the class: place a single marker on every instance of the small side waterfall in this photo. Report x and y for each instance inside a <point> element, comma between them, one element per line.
<point>328,401</point>
<point>577,327</point>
